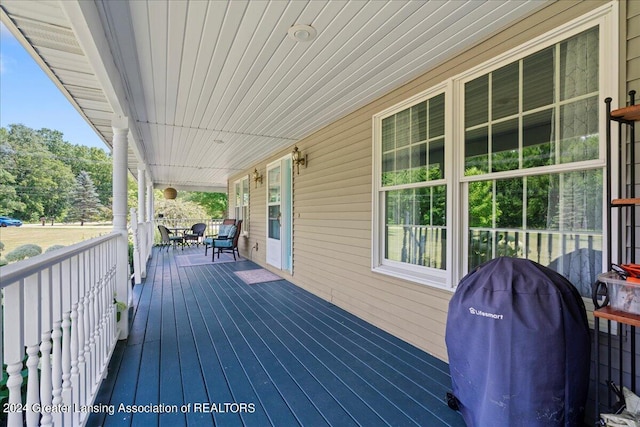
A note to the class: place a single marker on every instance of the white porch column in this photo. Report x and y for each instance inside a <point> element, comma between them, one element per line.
<point>142,228</point>
<point>123,282</point>
<point>150,217</point>
<point>142,186</point>
<point>150,212</point>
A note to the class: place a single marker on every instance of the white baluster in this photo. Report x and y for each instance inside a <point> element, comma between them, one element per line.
<point>33,386</point>
<point>73,345</point>
<point>14,384</point>
<point>32,336</point>
<point>66,358</point>
<point>81,349</point>
<point>103,320</point>
<point>88,381</point>
<point>45,380</point>
<point>93,334</point>
<point>46,384</point>
<point>82,328</point>
<point>14,349</point>
<point>74,380</point>
<point>56,336</point>
<point>115,333</point>
<point>56,370</point>
<point>98,325</point>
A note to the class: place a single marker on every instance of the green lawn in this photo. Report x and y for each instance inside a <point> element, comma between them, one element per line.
<point>45,236</point>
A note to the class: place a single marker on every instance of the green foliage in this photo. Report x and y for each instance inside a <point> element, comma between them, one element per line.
<point>54,248</point>
<point>180,208</point>
<point>25,251</point>
<point>3,262</point>
<point>37,170</point>
<point>1,246</point>
<point>215,204</point>
<point>481,202</point>
<point>130,253</point>
<point>85,204</point>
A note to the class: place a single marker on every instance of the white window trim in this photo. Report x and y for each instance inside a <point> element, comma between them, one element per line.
<point>424,275</point>
<point>245,221</point>
<point>606,17</point>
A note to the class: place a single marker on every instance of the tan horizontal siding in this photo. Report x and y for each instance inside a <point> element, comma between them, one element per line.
<point>332,203</point>
<point>633,46</point>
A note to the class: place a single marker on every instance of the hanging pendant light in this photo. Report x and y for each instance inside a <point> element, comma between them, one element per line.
<point>170,193</point>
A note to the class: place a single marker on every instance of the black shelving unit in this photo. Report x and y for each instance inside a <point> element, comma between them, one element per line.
<point>626,205</point>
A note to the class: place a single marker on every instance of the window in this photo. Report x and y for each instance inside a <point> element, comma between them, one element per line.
<point>241,209</point>
<point>505,160</point>
<point>412,187</point>
<point>538,112</point>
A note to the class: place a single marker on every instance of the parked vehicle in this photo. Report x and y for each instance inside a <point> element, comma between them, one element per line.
<point>5,221</point>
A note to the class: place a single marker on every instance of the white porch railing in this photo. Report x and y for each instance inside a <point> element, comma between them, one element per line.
<point>59,315</point>
<point>212,224</point>
<point>142,233</point>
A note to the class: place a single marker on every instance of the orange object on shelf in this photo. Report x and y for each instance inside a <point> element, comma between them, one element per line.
<point>633,270</point>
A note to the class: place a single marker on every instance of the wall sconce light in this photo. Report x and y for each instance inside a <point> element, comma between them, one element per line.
<point>298,158</point>
<point>257,177</point>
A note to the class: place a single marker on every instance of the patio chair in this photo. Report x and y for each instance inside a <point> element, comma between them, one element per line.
<point>227,243</point>
<point>168,239</point>
<point>223,231</point>
<point>195,234</point>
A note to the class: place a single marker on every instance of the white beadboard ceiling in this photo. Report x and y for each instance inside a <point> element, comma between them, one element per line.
<point>211,88</point>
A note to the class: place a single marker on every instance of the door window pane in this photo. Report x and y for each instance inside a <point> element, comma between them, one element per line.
<point>274,222</point>
<point>274,185</point>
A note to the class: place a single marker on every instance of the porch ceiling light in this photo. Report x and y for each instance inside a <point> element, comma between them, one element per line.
<point>257,177</point>
<point>298,158</point>
<point>302,33</point>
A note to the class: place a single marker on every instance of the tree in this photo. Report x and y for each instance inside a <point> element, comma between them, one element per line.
<point>179,208</point>
<point>215,204</point>
<point>41,181</point>
<point>95,161</point>
<point>9,199</point>
<point>85,204</point>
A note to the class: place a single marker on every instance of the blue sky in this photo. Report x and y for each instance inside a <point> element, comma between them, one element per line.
<point>28,96</point>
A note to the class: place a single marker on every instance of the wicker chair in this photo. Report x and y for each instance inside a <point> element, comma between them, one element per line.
<point>196,234</point>
<point>168,239</point>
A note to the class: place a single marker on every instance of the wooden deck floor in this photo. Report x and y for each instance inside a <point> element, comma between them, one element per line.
<point>226,353</point>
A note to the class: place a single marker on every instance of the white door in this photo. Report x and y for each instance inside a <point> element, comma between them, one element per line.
<point>279,214</point>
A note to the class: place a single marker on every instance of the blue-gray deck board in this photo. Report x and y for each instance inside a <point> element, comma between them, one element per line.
<point>201,335</point>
